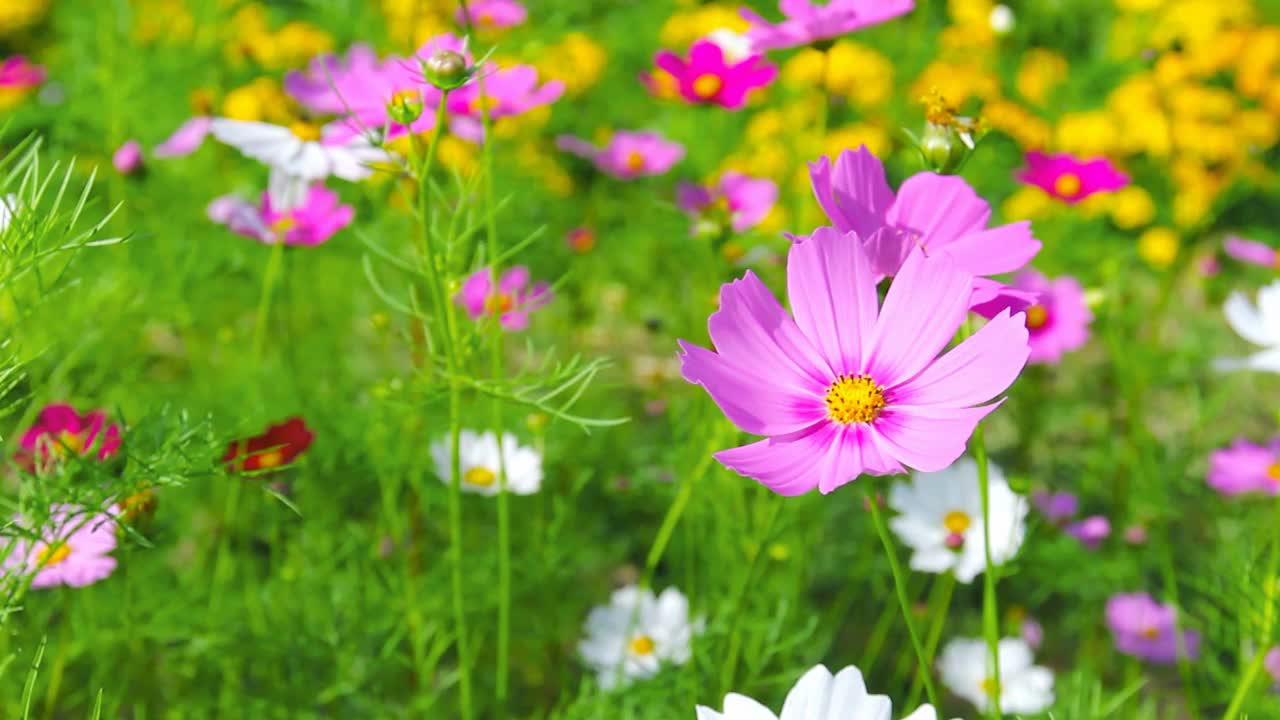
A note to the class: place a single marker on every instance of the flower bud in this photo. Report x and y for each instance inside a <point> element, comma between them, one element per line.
<point>447,70</point>
<point>942,148</point>
<point>405,107</point>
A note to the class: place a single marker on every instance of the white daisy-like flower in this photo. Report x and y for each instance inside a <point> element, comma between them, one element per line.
<point>297,155</point>
<point>940,519</point>
<point>1024,686</point>
<point>1259,324</point>
<point>818,695</point>
<point>479,457</point>
<point>636,633</point>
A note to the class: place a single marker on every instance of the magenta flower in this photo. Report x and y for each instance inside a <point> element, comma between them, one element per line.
<point>19,73</point>
<point>312,223</point>
<point>186,139</point>
<point>807,23</point>
<point>513,300</point>
<point>507,91</point>
<point>359,87</point>
<point>1252,252</point>
<point>1246,468</point>
<point>628,155</point>
<point>73,549</point>
<point>1272,664</point>
<point>932,212</point>
<point>1056,507</point>
<point>847,386</point>
<point>497,14</point>
<point>1069,179</point>
<point>740,200</point>
<point>1146,629</point>
<point>709,77</point>
<point>1059,319</point>
<point>1090,531</point>
<point>60,430</point>
<point>128,159</point>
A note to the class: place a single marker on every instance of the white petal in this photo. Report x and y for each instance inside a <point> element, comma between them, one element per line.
<point>1249,322</point>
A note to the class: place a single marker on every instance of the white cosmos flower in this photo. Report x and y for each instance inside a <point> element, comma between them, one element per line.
<point>297,155</point>
<point>940,518</point>
<point>818,696</point>
<point>636,633</point>
<point>1259,324</point>
<point>479,457</point>
<point>1024,686</point>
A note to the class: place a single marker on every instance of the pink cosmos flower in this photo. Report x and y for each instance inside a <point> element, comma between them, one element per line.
<point>1146,629</point>
<point>848,386</point>
<point>1252,252</point>
<point>936,213</point>
<point>1056,507</point>
<point>60,430</point>
<point>496,14</point>
<point>709,77</point>
<point>19,73</point>
<point>808,23</point>
<point>1032,633</point>
<point>72,550</point>
<point>128,159</point>
<point>1090,531</point>
<point>312,223</point>
<point>359,87</point>
<point>1246,468</point>
<point>740,200</point>
<point>1059,319</point>
<point>628,155</point>
<point>507,91</point>
<point>514,298</point>
<point>186,139</point>
<point>1272,664</point>
<point>1069,179</point>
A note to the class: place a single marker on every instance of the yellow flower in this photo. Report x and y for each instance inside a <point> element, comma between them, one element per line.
<point>1136,6</point>
<point>1258,66</point>
<point>576,60</point>
<point>1041,71</point>
<point>1132,207</point>
<point>1086,134</point>
<point>850,137</point>
<point>853,70</point>
<point>1201,101</point>
<point>1158,246</point>
<point>166,21</point>
<point>1257,127</point>
<point>410,23</point>
<point>18,15</point>
<point>682,28</point>
<point>1029,130</point>
<point>956,81</point>
<point>261,100</point>
<point>1027,203</point>
<point>764,125</point>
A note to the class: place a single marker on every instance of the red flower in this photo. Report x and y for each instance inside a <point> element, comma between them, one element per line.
<point>278,447</point>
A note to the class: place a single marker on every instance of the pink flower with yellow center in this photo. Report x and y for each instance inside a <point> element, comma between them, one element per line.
<point>1148,630</point>
<point>807,22</point>
<point>507,92</point>
<point>18,77</point>
<point>60,430</point>
<point>628,155</point>
<point>1058,320</point>
<point>73,549</point>
<point>709,77</point>
<point>847,385</point>
<point>512,301</point>
<point>1252,252</point>
<point>1245,467</point>
<point>317,219</point>
<point>1070,179</point>
<point>492,14</point>
<point>739,200</point>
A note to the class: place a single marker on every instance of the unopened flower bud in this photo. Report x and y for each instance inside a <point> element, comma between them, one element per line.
<point>943,148</point>
<point>446,70</point>
<point>405,107</point>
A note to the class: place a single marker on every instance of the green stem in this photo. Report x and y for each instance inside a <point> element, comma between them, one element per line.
<point>990,608</point>
<point>939,604</point>
<point>269,278</point>
<point>672,518</point>
<point>904,603</point>
<point>1268,624</point>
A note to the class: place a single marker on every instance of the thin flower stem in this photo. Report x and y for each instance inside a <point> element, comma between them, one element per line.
<point>269,278</point>
<point>672,519</point>
<point>1268,625</point>
<point>431,267</point>
<point>990,607</point>
<point>904,603</point>
<point>939,605</point>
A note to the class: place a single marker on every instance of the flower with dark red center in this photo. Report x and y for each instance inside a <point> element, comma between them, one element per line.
<point>276,448</point>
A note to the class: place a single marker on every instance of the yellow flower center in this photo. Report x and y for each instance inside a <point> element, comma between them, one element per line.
<point>481,477</point>
<point>270,459</point>
<point>956,522</point>
<point>485,18</point>
<point>309,132</point>
<point>480,102</point>
<point>854,400</point>
<point>989,686</point>
<point>65,442</point>
<point>1273,471</point>
<point>50,556</point>
<point>284,224</point>
<point>706,86</point>
<point>1037,317</point>
<point>635,161</point>
<point>499,302</point>
<point>1067,185</point>
<point>642,645</point>
<point>1151,632</point>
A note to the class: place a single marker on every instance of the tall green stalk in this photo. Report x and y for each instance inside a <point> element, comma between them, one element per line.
<point>990,609</point>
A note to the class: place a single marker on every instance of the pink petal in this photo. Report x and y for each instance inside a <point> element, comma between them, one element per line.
<point>855,195</point>
<point>974,371</point>
<point>924,307</point>
<point>997,250</point>
<point>186,139</point>
<point>792,465</point>
<point>940,209</point>
<point>927,439</point>
<point>749,399</point>
<point>833,296</point>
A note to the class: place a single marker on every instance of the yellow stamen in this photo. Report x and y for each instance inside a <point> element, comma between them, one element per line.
<point>66,442</point>
<point>481,477</point>
<point>635,161</point>
<point>50,556</point>
<point>642,645</point>
<point>956,522</point>
<point>707,86</point>
<point>284,224</point>
<point>854,400</point>
<point>309,132</point>
<point>1151,633</point>
<point>485,18</point>
<point>1067,185</point>
<point>989,686</point>
<point>1037,317</point>
<point>499,302</point>
<point>270,459</point>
